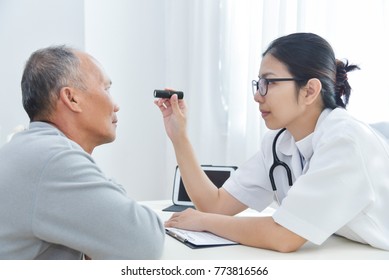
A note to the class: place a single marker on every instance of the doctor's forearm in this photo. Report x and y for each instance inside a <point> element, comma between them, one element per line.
<point>260,232</point>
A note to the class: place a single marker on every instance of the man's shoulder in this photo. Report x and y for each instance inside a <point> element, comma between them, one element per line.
<point>39,142</point>
<point>48,136</point>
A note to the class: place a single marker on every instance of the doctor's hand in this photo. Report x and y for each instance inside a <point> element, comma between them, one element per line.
<point>174,116</point>
<point>189,219</point>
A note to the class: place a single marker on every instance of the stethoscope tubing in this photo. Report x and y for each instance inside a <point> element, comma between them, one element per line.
<point>277,162</point>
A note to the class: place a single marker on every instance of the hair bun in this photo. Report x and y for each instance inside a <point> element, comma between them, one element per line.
<point>342,87</point>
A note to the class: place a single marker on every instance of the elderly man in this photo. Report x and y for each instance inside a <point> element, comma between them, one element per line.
<point>55,201</point>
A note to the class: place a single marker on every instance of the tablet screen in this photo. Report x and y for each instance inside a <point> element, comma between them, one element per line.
<point>217,174</point>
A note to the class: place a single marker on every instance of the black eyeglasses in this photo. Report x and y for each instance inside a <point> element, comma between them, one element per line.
<point>262,84</point>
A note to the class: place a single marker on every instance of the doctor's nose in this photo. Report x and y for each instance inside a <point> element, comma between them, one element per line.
<point>259,98</point>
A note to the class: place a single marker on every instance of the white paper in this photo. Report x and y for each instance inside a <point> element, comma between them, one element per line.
<point>199,238</point>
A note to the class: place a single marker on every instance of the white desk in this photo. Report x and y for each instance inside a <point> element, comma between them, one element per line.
<point>335,248</point>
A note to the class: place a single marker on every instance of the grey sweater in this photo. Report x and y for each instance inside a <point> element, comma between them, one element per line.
<point>55,203</point>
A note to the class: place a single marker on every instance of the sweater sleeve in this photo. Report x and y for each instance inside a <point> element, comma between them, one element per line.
<point>78,207</point>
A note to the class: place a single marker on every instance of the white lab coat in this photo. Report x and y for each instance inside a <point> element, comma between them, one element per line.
<point>343,187</point>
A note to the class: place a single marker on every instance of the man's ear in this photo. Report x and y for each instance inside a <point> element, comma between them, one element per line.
<point>69,97</point>
<point>312,90</point>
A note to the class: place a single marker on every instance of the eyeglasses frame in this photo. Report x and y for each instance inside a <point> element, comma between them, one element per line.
<point>256,83</point>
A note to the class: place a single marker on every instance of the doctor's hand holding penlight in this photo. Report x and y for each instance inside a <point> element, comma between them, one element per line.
<point>173,108</point>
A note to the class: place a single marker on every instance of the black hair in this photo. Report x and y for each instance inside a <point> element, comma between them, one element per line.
<point>45,73</point>
<point>307,56</point>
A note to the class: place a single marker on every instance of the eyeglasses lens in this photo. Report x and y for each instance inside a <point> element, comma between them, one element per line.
<point>262,86</point>
<point>254,85</point>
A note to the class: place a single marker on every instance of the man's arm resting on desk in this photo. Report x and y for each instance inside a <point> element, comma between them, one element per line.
<point>261,232</point>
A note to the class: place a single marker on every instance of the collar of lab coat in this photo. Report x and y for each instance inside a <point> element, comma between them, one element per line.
<point>288,146</point>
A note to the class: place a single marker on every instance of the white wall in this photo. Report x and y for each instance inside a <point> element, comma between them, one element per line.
<point>24,27</point>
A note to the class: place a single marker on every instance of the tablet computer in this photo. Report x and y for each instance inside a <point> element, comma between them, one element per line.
<point>217,174</point>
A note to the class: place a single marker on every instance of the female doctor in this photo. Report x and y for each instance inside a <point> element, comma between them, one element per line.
<point>328,172</point>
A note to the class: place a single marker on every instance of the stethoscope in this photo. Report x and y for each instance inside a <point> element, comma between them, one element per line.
<point>277,162</point>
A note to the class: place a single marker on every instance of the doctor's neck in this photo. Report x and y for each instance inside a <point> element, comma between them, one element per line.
<point>305,125</point>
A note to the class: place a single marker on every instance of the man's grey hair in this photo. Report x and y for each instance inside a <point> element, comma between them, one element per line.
<point>45,73</point>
